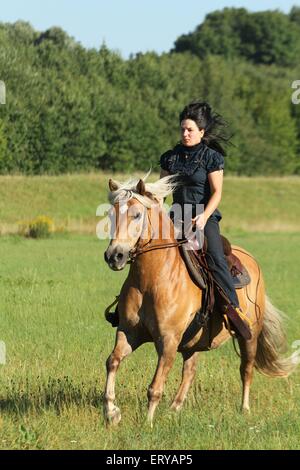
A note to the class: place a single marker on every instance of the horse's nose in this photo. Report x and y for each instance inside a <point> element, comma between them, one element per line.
<point>118,257</point>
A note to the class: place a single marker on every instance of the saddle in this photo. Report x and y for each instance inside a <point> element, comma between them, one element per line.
<point>194,263</point>
<point>200,274</point>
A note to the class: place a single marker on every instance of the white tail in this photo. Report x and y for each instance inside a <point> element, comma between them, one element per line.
<point>271,345</point>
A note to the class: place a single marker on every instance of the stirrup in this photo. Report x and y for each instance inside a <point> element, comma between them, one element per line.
<point>239,321</point>
<point>243,316</point>
<point>112,317</point>
<point>228,326</point>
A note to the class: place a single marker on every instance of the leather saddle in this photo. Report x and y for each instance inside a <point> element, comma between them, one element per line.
<point>193,260</point>
<point>200,274</point>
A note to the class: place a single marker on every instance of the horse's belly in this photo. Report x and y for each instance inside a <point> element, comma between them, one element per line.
<point>211,337</point>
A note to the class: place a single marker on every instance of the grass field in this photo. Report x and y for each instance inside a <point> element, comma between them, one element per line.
<point>248,204</point>
<point>52,297</point>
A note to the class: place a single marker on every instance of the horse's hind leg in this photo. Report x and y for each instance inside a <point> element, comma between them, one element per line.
<point>188,374</point>
<point>166,349</point>
<point>125,344</point>
<point>248,353</point>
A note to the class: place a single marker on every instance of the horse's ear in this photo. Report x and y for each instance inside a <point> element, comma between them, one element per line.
<point>140,187</point>
<point>113,186</point>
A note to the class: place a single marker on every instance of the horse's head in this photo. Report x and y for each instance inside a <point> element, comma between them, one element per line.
<point>134,205</point>
<point>128,220</point>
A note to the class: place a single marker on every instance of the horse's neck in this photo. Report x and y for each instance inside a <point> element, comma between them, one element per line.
<point>148,266</point>
<point>160,228</point>
<point>163,231</point>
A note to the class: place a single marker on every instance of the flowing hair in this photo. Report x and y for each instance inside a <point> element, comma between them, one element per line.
<point>212,123</point>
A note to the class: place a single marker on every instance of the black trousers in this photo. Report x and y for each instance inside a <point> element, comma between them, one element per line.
<point>216,259</point>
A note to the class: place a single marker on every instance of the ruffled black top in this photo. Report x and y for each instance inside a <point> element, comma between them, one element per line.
<point>192,164</point>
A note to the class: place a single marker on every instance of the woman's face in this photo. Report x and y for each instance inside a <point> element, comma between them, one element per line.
<point>190,133</point>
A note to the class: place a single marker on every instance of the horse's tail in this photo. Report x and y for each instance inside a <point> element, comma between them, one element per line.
<point>271,344</point>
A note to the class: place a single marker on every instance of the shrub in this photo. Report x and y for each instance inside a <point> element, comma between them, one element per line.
<point>40,227</point>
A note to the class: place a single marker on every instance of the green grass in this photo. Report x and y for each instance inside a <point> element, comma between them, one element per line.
<point>249,204</point>
<point>52,297</point>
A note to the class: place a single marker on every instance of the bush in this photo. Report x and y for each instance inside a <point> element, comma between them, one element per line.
<point>40,227</point>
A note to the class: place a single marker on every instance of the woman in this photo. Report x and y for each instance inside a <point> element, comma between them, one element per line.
<point>199,162</point>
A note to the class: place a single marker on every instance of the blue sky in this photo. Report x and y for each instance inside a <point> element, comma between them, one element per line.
<point>126,25</point>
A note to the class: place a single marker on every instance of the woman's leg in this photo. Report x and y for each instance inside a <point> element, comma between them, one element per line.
<point>217,261</point>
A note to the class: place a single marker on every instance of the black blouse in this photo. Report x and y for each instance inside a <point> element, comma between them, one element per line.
<point>192,164</point>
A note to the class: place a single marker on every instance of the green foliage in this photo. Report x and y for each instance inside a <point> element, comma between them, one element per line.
<point>295,15</point>
<point>70,109</point>
<point>268,37</point>
<point>40,227</point>
<point>3,145</point>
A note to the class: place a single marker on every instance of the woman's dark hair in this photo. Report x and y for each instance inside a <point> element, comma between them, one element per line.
<point>212,123</point>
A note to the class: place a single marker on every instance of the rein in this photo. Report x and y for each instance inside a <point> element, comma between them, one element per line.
<point>135,252</point>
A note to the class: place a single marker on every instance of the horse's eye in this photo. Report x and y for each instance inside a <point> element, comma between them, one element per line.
<point>137,216</point>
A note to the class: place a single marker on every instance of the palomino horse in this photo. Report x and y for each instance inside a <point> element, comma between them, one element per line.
<point>159,300</point>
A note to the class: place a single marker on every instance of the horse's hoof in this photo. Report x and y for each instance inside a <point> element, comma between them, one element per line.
<point>176,406</point>
<point>113,417</point>
<point>150,421</point>
<point>245,410</point>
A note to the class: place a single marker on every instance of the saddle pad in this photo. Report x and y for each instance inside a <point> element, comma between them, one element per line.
<point>192,264</point>
<point>240,275</point>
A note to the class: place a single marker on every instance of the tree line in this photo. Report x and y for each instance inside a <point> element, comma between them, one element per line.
<point>267,37</point>
<point>74,109</point>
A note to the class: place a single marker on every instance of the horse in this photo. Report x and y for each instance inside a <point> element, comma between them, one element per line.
<point>159,300</point>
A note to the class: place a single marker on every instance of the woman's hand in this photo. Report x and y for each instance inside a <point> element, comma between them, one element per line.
<point>200,221</point>
<point>196,237</point>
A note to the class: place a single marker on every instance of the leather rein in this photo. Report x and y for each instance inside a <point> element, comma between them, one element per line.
<point>136,251</point>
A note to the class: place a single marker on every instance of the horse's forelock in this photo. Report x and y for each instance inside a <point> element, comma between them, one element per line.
<point>125,195</point>
<point>155,192</point>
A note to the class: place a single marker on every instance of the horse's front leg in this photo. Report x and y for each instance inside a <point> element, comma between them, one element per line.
<point>166,349</point>
<point>125,344</point>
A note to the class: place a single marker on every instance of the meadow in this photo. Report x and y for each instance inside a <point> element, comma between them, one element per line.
<point>53,294</point>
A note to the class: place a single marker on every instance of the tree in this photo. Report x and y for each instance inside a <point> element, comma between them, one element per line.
<point>295,15</point>
<point>3,147</point>
<point>72,109</point>
<point>269,37</point>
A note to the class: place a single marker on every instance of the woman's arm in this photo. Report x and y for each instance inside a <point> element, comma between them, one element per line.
<point>216,183</point>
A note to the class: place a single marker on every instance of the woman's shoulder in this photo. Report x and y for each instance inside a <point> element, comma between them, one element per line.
<point>212,159</point>
<point>168,156</point>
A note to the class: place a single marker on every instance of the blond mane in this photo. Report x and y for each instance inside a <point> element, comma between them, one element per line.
<point>158,190</point>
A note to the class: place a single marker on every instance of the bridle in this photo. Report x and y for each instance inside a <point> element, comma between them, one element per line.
<point>140,249</point>
<point>135,252</point>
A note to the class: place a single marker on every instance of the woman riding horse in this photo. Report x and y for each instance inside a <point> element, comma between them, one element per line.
<point>199,162</point>
<point>159,301</point>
